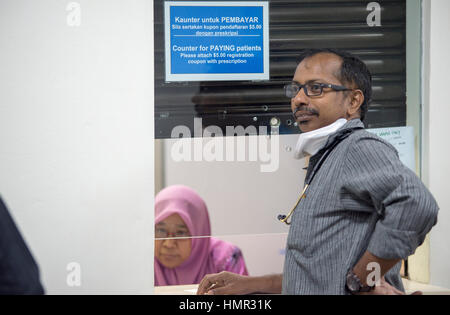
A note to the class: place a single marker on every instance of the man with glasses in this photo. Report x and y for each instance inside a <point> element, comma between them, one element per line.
<point>361,211</point>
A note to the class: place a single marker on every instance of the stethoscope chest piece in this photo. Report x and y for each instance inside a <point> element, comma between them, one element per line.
<point>284,218</point>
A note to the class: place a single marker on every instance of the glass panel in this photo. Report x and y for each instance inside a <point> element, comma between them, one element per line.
<point>227,172</point>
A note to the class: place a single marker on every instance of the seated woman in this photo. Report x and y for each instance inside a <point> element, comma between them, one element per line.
<point>184,250</point>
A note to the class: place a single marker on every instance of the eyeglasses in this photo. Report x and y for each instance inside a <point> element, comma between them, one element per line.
<point>163,233</point>
<point>311,89</point>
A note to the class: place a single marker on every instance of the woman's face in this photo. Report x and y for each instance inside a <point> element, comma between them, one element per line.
<point>173,249</point>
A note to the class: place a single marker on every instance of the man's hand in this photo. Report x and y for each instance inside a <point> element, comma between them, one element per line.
<point>225,283</point>
<point>384,288</point>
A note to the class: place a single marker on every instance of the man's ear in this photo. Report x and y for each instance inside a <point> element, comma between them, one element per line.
<point>357,99</point>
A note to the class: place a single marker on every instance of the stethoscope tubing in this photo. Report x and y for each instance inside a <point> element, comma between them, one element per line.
<point>309,179</point>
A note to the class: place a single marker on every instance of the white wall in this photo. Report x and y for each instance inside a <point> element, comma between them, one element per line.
<point>436,168</point>
<point>76,139</point>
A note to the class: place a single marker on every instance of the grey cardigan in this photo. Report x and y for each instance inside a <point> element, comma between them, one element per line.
<point>362,198</point>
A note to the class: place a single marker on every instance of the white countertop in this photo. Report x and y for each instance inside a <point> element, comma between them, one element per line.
<point>410,287</point>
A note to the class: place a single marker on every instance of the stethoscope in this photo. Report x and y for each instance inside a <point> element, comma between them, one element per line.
<point>285,218</point>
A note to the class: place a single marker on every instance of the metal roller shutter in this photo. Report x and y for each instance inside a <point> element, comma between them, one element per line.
<point>294,25</point>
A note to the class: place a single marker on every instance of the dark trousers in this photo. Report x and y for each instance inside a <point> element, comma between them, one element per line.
<point>19,273</point>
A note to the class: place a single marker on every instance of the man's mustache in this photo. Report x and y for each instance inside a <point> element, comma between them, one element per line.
<point>306,110</point>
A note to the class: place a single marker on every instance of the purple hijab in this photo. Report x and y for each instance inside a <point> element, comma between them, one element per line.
<point>208,255</point>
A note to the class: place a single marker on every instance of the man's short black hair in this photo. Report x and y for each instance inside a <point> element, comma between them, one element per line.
<point>353,71</point>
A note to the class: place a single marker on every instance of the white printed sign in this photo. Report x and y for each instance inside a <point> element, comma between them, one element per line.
<point>402,138</point>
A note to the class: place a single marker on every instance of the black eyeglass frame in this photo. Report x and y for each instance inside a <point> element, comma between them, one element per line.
<point>339,88</point>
